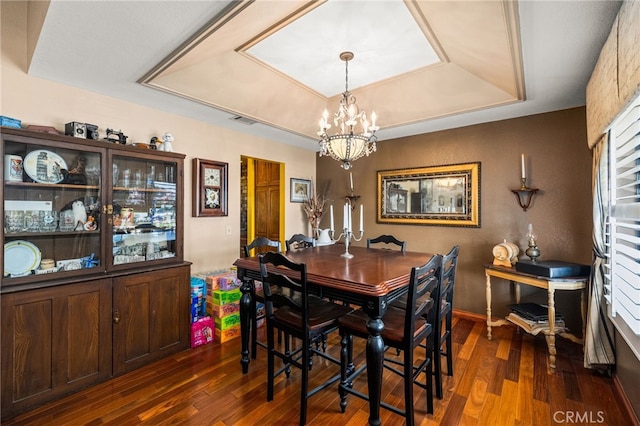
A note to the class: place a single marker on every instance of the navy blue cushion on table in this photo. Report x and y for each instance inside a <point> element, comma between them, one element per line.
<point>553,268</point>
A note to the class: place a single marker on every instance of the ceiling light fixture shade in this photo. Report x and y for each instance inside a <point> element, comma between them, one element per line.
<point>355,137</point>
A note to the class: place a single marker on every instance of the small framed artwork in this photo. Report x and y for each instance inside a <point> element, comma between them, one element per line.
<point>300,190</point>
<point>209,195</point>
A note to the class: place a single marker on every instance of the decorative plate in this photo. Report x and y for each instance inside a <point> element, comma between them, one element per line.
<point>20,258</point>
<point>69,264</point>
<point>44,166</point>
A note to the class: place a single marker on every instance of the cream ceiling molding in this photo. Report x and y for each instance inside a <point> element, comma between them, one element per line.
<point>476,62</point>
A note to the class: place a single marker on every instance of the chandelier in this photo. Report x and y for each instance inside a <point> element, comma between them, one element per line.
<point>355,137</point>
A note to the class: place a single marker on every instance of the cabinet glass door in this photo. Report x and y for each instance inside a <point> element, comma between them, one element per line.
<point>144,209</point>
<point>52,205</point>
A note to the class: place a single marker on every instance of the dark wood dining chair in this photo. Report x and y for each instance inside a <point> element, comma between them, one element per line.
<point>301,315</point>
<point>404,330</point>
<point>447,282</point>
<point>298,241</point>
<point>387,239</point>
<point>258,245</point>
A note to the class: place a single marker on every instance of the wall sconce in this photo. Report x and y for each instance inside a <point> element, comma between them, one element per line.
<point>352,199</point>
<point>524,194</point>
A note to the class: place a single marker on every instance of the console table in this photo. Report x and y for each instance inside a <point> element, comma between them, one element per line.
<point>551,285</point>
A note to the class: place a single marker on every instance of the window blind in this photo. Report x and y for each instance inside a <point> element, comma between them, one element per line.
<point>623,229</point>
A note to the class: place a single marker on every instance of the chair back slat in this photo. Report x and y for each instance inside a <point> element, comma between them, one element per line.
<point>299,241</point>
<point>448,274</point>
<point>273,267</point>
<point>424,289</point>
<point>387,239</point>
<point>261,244</point>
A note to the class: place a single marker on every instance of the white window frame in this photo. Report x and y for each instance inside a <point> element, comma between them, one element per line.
<point>622,283</point>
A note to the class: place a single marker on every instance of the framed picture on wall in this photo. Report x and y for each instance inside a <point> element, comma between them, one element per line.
<point>447,195</point>
<point>300,190</point>
<point>209,192</point>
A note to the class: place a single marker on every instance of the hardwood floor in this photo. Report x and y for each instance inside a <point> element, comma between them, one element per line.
<point>499,382</point>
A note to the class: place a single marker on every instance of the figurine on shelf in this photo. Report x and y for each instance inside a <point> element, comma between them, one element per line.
<point>153,143</point>
<point>78,214</point>
<point>91,224</point>
<point>116,136</point>
<point>167,142</point>
<point>76,175</point>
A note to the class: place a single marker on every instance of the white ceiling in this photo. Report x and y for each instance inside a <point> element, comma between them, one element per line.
<point>110,47</point>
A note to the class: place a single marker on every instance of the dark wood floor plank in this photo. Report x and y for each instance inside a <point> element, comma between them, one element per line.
<point>504,381</point>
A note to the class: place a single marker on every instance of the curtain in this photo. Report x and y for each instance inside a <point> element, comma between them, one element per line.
<point>598,343</point>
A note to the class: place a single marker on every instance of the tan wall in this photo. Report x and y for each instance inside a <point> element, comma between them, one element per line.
<point>42,102</point>
<point>558,163</point>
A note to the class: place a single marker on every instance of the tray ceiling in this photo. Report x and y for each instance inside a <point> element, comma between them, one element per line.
<point>421,65</point>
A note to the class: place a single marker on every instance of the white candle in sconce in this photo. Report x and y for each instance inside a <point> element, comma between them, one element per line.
<point>349,213</point>
<point>351,181</point>
<point>524,174</point>
<point>331,217</point>
<point>361,218</point>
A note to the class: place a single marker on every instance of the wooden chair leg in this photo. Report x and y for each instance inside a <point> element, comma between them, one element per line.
<point>436,360</point>
<point>254,329</point>
<point>346,367</point>
<point>449,346</point>
<point>408,387</point>
<point>287,352</point>
<point>429,370</point>
<point>270,362</point>
<point>306,358</point>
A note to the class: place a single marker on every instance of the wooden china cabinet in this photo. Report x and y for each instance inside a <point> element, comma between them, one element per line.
<point>94,282</point>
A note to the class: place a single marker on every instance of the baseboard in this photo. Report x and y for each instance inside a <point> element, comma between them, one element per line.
<point>469,315</point>
<point>622,397</point>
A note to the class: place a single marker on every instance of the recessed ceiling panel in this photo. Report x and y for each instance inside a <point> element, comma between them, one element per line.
<point>308,49</point>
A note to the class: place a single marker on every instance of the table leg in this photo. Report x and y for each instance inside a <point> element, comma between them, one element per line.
<point>375,360</point>
<point>245,322</point>
<point>488,296</point>
<point>551,336</point>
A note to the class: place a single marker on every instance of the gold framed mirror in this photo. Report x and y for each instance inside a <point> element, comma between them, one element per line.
<point>446,195</point>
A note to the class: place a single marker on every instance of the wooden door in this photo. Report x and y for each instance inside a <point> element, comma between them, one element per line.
<point>267,199</point>
<point>150,317</point>
<point>54,341</point>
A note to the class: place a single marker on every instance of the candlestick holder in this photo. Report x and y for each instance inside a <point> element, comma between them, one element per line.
<point>348,235</point>
<point>524,194</point>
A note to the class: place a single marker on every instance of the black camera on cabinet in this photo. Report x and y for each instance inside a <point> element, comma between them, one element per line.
<point>92,132</point>
<point>81,130</point>
<point>78,130</point>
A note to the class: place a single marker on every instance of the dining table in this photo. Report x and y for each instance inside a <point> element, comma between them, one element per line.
<point>371,279</point>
